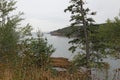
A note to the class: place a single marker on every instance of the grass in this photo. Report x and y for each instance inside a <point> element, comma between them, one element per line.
<point>22,72</point>
<point>35,73</point>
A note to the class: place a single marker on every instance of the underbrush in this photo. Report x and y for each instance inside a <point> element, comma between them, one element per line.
<point>34,73</point>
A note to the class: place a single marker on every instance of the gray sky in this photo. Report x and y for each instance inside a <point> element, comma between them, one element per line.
<point>48,15</point>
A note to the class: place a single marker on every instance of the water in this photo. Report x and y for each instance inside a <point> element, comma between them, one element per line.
<point>62,46</point>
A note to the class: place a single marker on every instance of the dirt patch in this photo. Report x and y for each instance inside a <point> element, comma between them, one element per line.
<point>60,62</point>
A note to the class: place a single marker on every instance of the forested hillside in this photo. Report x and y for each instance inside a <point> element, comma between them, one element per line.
<point>71,30</point>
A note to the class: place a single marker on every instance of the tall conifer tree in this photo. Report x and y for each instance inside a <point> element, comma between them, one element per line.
<point>80,18</point>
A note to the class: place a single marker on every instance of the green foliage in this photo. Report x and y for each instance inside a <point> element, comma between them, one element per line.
<point>79,17</point>
<point>79,13</point>
<point>93,40</point>
<point>109,37</point>
<point>24,56</point>
<point>41,50</point>
<point>8,25</point>
<point>16,43</point>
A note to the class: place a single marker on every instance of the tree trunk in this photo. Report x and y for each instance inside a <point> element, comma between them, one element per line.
<point>86,42</point>
<point>86,37</point>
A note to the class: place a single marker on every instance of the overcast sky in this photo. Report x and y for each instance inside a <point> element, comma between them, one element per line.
<point>48,15</point>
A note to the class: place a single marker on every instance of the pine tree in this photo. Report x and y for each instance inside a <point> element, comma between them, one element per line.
<point>80,18</point>
<point>8,25</point>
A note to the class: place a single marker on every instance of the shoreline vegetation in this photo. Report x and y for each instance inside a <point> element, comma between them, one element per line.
<point>23,57</point>
<point>65,32</point>
<point>60,71</point>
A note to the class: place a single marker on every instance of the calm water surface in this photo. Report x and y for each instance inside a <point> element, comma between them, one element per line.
<point>61,45</point>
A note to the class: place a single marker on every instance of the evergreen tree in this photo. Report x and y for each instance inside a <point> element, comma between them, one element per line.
<point>109,37</point>
<point>8,25</point>
<point>80,18</point>
<point>16,41</point>
<point>41,50</point>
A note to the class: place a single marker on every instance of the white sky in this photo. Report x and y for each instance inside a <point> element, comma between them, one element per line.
<point>48,15</point>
